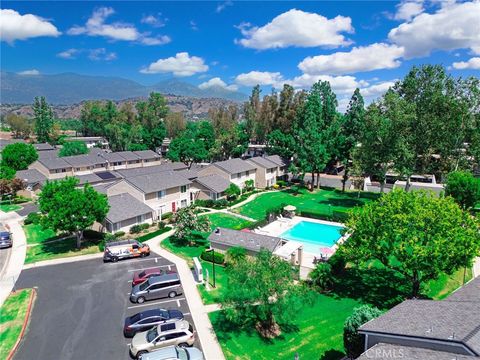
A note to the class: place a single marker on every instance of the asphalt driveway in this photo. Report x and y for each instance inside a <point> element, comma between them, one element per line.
<point>81,307</point>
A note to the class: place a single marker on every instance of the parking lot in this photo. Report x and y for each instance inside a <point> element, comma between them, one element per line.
<point>80,309</point>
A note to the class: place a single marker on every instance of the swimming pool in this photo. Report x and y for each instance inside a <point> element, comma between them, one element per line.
<point>313,235</point>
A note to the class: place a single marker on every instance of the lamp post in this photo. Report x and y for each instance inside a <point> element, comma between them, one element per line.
<point>212,250</point>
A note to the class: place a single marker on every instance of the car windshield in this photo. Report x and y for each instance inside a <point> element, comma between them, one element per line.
<point>152,334</point>
<point>142,274</point>
<point>4,234</point>
<point>182,354</point>
<point>143,285</point>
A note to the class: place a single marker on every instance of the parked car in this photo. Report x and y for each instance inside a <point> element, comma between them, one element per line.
<point>124,249</point>
<point>173,353</point>
<point>5,238</point>
<point>179,333</point>
<point>147,319</point>
<point>156,287</point>
<point>143,275</point>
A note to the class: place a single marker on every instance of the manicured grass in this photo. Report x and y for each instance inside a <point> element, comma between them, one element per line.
<point>318,334</point>
<point>227,221</point>
<point>9,207</point>
<point>186,252</point>
<point>37,234</point>
<point>12,315</point>
<point>442,287</point>
<point>215,294</point>
<point>320,202</point>
<point>60,249</point>
<point>154,234</point>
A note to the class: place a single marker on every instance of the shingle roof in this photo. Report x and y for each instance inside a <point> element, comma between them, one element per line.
<point>147,154</point>
<point>263,162</point>
<point>214,182</point>
<point>6,142</point>
<point>124,206</point>
<point>146,170</point>
<point>128,155</point>
<point>277,160</point>
<point>53,162</point>
<point>32,176</point>
<point>383,351</point>
<point>43,146</point>
<point>188,173</point>
<point>84,160</point>
<point>234,166</point>
<point>149,183</point>
<point>249,240</point>
<point>439,320</point>
<point>468,292</point>
<point>113,157</point>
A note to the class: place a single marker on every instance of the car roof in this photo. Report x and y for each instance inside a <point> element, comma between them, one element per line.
<point>162,278</point>
<point>168,352</point>
<point>151,271</point>
<point>121,242</point>
<point>175,326</point>
<point>148,313</point>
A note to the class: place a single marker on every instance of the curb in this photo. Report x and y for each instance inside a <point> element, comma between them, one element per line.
<point>33,295</point>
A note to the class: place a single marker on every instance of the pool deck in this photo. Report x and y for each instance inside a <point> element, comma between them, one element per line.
<point>279,226</point>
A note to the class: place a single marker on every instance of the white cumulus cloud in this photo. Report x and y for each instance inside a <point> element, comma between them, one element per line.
<point>297,28</point>
<point>217,82</point>
<point>363,58</point>
<point>339,84</point>
<point>451,27</point>
<point>14,26</point>
<point>29,72</point>
<point>378,89</point>
<point>182,64</point>
<point>101,54</point>
<point>473,63</point>
<point>407,10</point>
<point>253,78</point>
<point>68,54</point>
<point>154,20</point>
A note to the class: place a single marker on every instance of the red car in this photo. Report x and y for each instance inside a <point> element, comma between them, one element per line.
<point>141,276</point>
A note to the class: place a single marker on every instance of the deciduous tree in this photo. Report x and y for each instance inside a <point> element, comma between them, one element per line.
<point>43,115</point>
<point>73,148</point>
<point>18,156</point>
<point>188,223</point>
<point>464,188</point>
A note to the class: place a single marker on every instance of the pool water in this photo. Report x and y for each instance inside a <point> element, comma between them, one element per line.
<point>313,235</point>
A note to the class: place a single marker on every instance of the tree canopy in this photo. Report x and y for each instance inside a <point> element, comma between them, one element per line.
<point>18,156</point>
<point>464,188</point>
<point>415,234</point>
<point>73,148</point>
<point>44,123</point>
<point>189,224</point>
<point>67,208</point>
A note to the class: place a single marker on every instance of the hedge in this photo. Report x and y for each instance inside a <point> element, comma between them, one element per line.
<point>153,234</point>
<point>208,256</point>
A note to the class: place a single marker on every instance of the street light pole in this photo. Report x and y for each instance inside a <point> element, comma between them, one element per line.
<point>212,250</point>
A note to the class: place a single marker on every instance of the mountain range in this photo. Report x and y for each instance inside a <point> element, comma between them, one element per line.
<point>71,88</point>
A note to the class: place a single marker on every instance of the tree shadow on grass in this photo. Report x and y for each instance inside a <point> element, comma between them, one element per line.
<point>332,354</point>
<point>345,202</point>
<point>382,287</point>
<point>70,244</point>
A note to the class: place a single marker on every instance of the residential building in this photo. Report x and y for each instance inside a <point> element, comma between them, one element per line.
<point>282,169</point>
<point>209,187</point>
<point>236,171</point>
<point>43,147</point>
<point>266,172</point>
<point>164,192</point>
<point>52,167</point>
<point>126,211</point>
<point>34,180</point>
<point>446,329</point>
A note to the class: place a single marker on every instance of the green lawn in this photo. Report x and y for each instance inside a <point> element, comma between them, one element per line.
<point>9,207</point>
<point>227,221</point>
<point>12,315</point>
<point>60,249</point>
<point>37,234</point>
<point>442,287</point>
<point>320,202</point>
<point>318,334</point>
<point>215,294</point>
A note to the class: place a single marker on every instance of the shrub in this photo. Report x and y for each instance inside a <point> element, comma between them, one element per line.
<point>232,191</point>
<point>161,225</point>
<point>93,235</point>
<point>219,258</point>
<point>167,216</point>
<point>235,254</point>
<point>249,185</point>
<point>281,183</point>
<point>119,234</point>
<point>144,226</point>
<point>352,340</point>
<point>338,263</point>
<point>154,234</point>
<point>135,229</point>
<point>322,276</point>
<point>32,218</point>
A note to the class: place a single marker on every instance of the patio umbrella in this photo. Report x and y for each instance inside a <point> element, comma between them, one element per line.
<point>289,208</point>
<point>326,251</point>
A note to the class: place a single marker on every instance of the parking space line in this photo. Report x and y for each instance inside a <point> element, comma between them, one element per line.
<point>186,313</point>
<point>155,303</point>
<point>169,267</point>
<point>156,260</point>
<point>178,303</point>
<point>153,267</point>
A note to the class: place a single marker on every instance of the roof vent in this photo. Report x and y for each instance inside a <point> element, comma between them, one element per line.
<point>452,337</point>
<point>217,231</point>
<point>430,330</point>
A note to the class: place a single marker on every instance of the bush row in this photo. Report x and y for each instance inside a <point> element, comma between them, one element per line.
<point>219,258</point>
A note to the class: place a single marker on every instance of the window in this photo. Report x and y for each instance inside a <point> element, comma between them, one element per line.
<point>183,203</point>
<point>174,335</point>
<point>161,194</point>
<point>183,188</point>
<point>140,218</point>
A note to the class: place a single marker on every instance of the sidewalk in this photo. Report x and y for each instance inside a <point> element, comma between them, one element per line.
<point>210,346</point>
<point>63,260</point>
<point>250,198</point>
<point>16,259</point>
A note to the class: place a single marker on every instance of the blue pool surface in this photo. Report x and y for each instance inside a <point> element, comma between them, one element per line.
<point>313,235</point>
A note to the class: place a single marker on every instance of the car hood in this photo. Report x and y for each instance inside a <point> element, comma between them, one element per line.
<point>168,352</point>
<point>140,342</point>
<point>195,354</point>
<point>135,289</point>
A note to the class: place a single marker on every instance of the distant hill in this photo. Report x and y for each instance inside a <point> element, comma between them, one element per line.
<point>70,88</point>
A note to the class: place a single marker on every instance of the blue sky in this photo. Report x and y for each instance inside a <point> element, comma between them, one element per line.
<point>367,44</point>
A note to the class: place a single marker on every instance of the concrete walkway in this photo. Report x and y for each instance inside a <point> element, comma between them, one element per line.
<point>250,198</point>
<point>225,211</point>
<point>14,263</point>
<point>206,334</point>
<point>63,260</point>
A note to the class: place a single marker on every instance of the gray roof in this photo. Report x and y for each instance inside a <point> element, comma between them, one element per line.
<point>48,153</point>
<point>234,166</point>
<point>125,206</point>
<point>263,162</point>
<point>277,160</point>
<point>149,183</point>
<point>113,157</point>
<point>214,182</point>
<point>128,155</point>
<point>468,292</point>
<point>6,142</point>
<point>147,170</point>
<point>188,173</point>
<point>84,138</point>
<point>248,240</point>
<point>428,319</point>
<point>53,162</point>
<point>84,160</point>
<point>383,351</point>
<point>43,146</point>
<point>88,178</point>
<point>32,176</point>
<point>147,154</point>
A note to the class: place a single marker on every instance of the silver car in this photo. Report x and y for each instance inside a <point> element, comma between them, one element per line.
<point>179,333</point>
<point>174,353</point>
<point>5,238</point>
<point>156,287</point>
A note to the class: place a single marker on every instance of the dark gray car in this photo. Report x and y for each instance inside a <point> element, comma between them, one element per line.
<point>156,287</point>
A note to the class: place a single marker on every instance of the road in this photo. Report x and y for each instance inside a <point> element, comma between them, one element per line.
<point>81,307</point>
<point>4,258</point>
